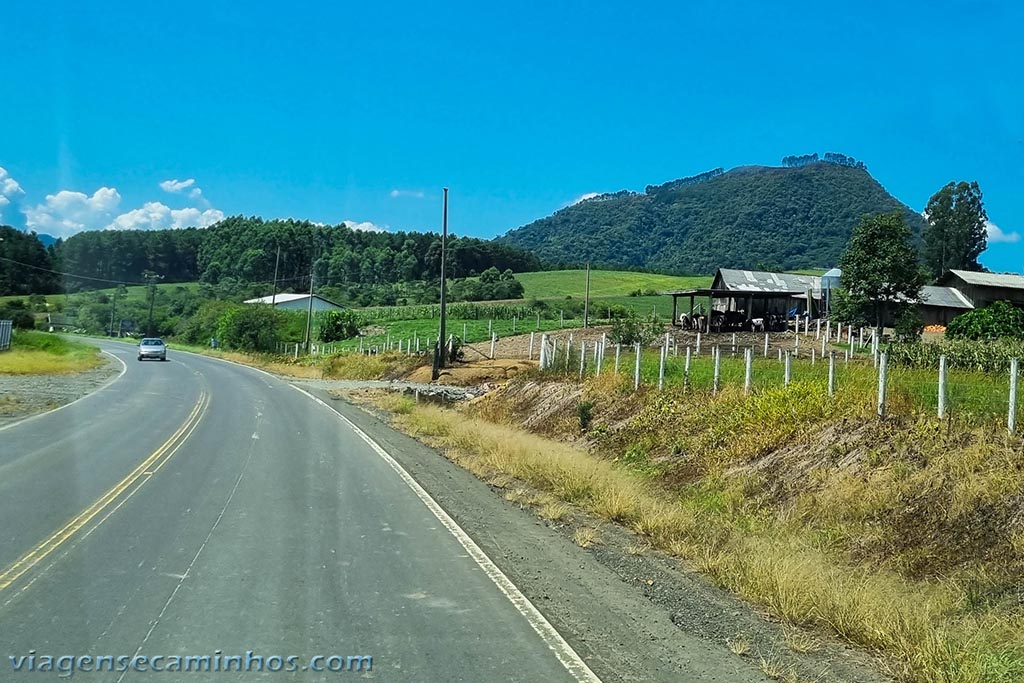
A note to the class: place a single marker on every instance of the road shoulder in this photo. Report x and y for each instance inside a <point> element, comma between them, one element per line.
<point>636,617</point>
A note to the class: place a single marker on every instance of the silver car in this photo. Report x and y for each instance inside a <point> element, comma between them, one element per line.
<point>152,347</point>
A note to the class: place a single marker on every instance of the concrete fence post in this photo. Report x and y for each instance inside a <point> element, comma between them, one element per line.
<point>716,354</point>
<point>661,368</point>
<point>698,344</point>
<point>812,356</point>
<point>860,339</point>
<point>734,342</point>
<point>780,355</point>
<point>600,357</point>
<point>1011,418</point>
<point>796,346</point>
<point>618,352</point>
<point>846,353</point>
<point>832,374</point>
<point>942,386</point>
<point>817,328</point>
<point>883,378</point>
<point>765,344</point>
<point>583,358</point>
<point>490,327</point>
<point>686,369</point>
<point>636,369</point>
<point>828,330</point>
<point>529,353</point>
<point>543,347</point>
<point>494,340</point>
<point>787,374</point>
<point>748,370</point>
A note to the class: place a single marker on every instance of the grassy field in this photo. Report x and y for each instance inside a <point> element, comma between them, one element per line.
<point>36,353</point>
<point>558,284</point>
<point>134,292</point>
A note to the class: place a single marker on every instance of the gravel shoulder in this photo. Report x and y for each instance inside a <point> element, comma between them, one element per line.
<point>22,396</point>
<point>632,615</point>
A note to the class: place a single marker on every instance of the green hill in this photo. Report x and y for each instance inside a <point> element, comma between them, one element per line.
<point>784,218</point>
<point>603,283</point>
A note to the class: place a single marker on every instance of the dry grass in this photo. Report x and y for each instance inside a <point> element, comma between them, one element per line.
<point>585,537</point>
<point>801,641</point>
<point>739,645</point>
<point>921,625</point>
<point>41,353</point>
<point>554,510</point>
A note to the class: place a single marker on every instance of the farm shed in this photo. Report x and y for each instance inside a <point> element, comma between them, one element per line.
<point>939,305</point>
<point>753,293</point>
<point>982,289</point>
<point>297,302</point>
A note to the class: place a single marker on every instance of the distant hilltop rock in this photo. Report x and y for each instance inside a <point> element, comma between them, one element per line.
<point>796,216</point>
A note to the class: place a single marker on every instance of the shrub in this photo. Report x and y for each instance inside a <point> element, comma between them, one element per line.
<point>338,325</point>
<point>909,325</point>
<point>585,412</point>
<point>250,327</point>
<point>21,318</point>
<point>1001,320</point>
<point>632,329</point>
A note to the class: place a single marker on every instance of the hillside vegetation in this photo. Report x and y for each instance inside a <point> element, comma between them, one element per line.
<point>784,218</point>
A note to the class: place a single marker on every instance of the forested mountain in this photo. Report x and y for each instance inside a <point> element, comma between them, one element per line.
<point>245,249</point>
<point>799,216</point>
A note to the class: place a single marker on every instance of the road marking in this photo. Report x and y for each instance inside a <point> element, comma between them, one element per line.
<point>568,657</point>
<point>155,460</point>
<point>124,369</point>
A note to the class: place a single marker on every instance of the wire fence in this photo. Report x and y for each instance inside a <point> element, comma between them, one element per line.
<point>852,368</point>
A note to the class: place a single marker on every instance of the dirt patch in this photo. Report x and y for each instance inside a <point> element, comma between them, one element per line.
<point>474,373</point>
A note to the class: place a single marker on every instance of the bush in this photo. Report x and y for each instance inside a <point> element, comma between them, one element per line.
<point>338,325</point>
<point>1001,320</point>
<point>585,413</point>
<point>909,325</point>
<point>21,318</point>
<point>251,327</point>
<point>633,329</point>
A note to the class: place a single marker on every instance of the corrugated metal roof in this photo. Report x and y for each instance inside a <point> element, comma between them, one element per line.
<point>280,298</point>
<point>1008,280</point>
<point>946,297</point>
<point>760,281</point>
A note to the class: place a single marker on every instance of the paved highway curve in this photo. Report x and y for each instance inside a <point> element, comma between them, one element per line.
<point>195,506</point>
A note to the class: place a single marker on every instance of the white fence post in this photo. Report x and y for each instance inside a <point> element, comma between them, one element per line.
<point>529,354</point>
<point>698,344</point>
<point>583,357</point>
<point>860,340</point>
<point>832,374</point>
<point>494,340</point>
<point>812,356</point>
<point>765,344</point>
<point>817,328</point>
<point>788,370</point>
<point>686,369</point>
<point>942,386</point>
<point>618,352</point>
<point>661,367</point>
<point>600,356</point>
<point>883,378</point>
<point>780,355</point>
<point>748,371</point>
<point>716,377</point>
<point>796,347</point>
<point>543,348</point>
<point>636,370</point>
<point>1011,418</point>
<point>568,352</point>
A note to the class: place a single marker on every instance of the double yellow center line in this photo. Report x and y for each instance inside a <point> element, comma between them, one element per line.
<point>119,492</point>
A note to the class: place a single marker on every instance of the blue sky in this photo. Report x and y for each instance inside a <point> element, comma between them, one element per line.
<point>363,111</point>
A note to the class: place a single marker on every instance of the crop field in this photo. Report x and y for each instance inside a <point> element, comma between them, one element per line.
<point>603,283</point>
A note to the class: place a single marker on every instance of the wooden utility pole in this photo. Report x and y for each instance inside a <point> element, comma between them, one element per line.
<point>277,262</point>
<point>439,355</point>
<point>309,310</point>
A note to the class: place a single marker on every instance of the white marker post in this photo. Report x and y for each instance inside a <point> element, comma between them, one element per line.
<point>883,377</point>
<point>636,370</point>
<point>942,386</point>
<point>748,371</point>
<point>717,355</point>
<point>686,369</point>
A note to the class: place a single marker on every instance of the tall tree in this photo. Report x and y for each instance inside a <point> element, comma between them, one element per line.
<point>881,274</point>
<point>954,234</point>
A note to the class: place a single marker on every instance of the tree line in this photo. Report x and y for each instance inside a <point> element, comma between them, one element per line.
<point>684,182</point>
<point>247,249</point>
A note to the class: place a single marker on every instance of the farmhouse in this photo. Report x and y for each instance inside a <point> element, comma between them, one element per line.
<point>297,302</point>
<point>982,289</point>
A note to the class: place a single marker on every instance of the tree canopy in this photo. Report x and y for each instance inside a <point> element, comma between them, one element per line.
<point>955,232</point>
<point>881,273</point>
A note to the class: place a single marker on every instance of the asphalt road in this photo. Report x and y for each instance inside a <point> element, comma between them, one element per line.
<point>196,508</point>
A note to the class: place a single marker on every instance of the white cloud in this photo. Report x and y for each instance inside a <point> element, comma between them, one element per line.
<point>996,234</point>
<point>416,194</point>
<point>365,226</point>
<point>177,186</point>
<point>158,216</point>
<point>68,212</point>
<point>584,197</point>
<point>8,187</point>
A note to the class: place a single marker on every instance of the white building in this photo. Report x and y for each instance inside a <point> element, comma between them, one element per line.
<point>297,302</point>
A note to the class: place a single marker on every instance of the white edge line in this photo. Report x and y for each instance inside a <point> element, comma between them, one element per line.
<point>567,656</point>
<point>554,640</point>
<point>124,369</point>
